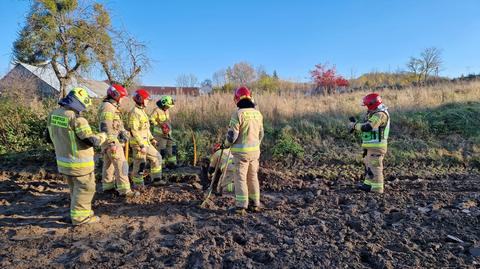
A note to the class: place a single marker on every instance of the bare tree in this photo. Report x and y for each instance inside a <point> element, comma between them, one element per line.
<point>187,80</point>
<point>241,73</point>
<point>431,60</point>
<point>128,62</point>
<point>414,65</point>
<point>219,78</point>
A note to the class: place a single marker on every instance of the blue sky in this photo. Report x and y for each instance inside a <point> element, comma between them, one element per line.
<point>201,37</point>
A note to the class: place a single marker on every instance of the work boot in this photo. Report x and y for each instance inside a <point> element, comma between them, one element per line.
<point>364,187</point>
<point>172,166</point>
<point>109,191</point>
<point>87,220</point>
<point>129,194</point>
<point>254,209</point>
<point>159,182</point>
<point>237,211</point>
<point>138,187</point>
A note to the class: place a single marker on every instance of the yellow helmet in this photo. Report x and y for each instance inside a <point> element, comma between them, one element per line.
<point>81,95</point>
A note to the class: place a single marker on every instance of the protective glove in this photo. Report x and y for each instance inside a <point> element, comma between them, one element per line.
<point>165,129</point>
<point>154,142</point>
<point>123,136</point>
<point>112,147</point>
<point>211,170</point>
<point>99,139</point>
<point>143,149</point>
<point>223,146</point>
<point>351,126</point>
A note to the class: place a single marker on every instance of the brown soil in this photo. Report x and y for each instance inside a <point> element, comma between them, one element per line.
<point>313,218</point>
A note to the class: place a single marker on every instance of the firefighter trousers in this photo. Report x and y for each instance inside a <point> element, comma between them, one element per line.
<point>246,185</point>
<point>82,189</point>
<point>165,147</point>
<point>373,161</point>
<point>140,162</point>
<point>115,170</point>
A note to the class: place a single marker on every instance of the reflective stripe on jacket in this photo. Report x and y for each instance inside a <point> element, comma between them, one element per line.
<point>74,157</point>
<point>157,118</point>
<point>110,121</point>
<point>226,158</point>
<point>378,136</point>
<point>245,131</point>
<point>139,126</point>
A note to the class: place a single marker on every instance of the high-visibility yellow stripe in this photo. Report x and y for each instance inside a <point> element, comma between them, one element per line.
<point>374,185</point>
<point>241,198</point>
<point>123,187</point>
<point>84,128</point>
<point>107,116</point>
<point>108,186</point>
<point>80,213</point>
<point>137,180</point>
<point>155,170</point>
<point>73,143</point>
<point>235,148</point>
<point>374,145</point>
<point>76,164</point>
<point>254,196</point>
<point>374,119</point>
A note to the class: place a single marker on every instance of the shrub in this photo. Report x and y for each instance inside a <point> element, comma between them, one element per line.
<point>285,145</point>
<point>22,128</point>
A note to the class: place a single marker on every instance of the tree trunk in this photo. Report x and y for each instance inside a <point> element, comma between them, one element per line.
<point>63,87</point>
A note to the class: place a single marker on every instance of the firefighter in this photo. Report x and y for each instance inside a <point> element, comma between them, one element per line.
<point>74,140</point>
<point>115,166</point>
<point>223,161</point>
<point>162,131</point>
<point>143,143</point>
<point>245,133</point>
<point>374,131</point>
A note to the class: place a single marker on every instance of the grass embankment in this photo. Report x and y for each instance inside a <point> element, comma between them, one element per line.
<point>438,124</point>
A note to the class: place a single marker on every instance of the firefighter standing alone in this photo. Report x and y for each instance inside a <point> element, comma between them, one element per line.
<point>374,132</point>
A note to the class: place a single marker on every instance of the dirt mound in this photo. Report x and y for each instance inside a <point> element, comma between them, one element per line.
<point>311,219</point>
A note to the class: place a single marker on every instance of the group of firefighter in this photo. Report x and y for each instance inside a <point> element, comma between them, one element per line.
<point>233,165</point>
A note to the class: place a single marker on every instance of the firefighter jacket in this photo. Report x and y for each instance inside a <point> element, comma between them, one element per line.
<point>110,121</point>
<point>158,118</point>
<point>376,129</point>
<point>72,138</point>
<point>226,160</point>
<point>245,131</point>
<point>139,127</point>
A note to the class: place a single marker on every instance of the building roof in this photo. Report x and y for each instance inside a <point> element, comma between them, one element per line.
<point>97,86</point>
<point>166,90</point>
<point>46,73</point>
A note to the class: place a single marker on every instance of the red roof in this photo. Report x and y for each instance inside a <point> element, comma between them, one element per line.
<point>161,90</point>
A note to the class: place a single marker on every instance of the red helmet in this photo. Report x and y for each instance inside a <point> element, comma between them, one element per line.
<point>215,147</point>
<point>242,93</point>
<point>116,92</point>
<point>140,96</point>
<point>372,101</point>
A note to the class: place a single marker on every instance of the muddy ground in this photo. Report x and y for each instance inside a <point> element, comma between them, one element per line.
<point>429,217</point>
